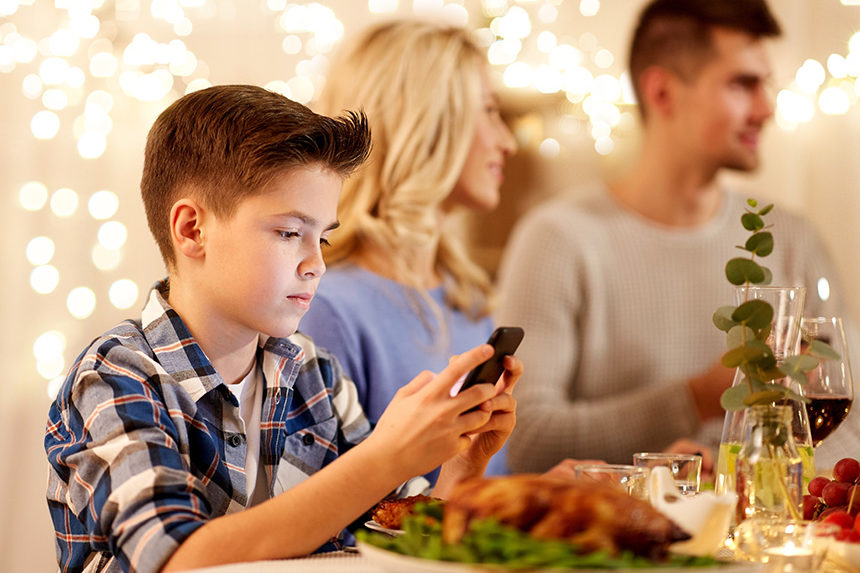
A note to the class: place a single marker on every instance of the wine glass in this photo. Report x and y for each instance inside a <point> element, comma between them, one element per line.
<point>830,386</point>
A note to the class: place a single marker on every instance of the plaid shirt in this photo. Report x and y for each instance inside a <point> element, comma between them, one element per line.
<point>145,443</point>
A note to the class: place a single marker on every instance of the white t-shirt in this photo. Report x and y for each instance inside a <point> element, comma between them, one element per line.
<point>249,392</point>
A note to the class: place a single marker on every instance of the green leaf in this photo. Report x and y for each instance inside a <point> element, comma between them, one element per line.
<point>765,210</point>
<point>753,351</point>
<point>760,244</point>
<point>738,335</point>
<point>752,222</point>
<point>768,276</point>
<point>799,363</point>
<point>733,398</point>
<point>770,373</point>
<point>763,397</point>
<point>723,318</point>
<point>752,202</point>
<point>821,349</point>
<point>740,270</point>
<point>756,314</point>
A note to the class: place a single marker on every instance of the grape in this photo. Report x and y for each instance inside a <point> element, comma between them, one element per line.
<point>841,518</point>
<point>835,493</point>
<point>829,511</point>
<point>810,505</point>
<point>817,485</point>
<point>846,470</point>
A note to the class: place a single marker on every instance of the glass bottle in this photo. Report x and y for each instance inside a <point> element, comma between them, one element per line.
<point>784,340</point>
<point>769,469</point>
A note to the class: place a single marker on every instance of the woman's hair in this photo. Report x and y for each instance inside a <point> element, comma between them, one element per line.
<point>420,86</point>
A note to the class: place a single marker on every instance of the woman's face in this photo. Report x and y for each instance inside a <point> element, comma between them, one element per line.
<point>482,174</point>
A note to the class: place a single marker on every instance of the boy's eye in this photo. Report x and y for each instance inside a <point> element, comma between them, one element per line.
<point>288,234</point>
<point>325,242</point>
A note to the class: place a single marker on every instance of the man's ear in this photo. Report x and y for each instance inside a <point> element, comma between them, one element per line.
<point>657,85</point>
<point>186,228</point>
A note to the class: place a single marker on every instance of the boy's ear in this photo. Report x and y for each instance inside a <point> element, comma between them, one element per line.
<point>186,228</point>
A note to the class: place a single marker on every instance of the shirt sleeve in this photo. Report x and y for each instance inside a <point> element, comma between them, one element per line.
<point>542,289</point>
<point>118,482</point>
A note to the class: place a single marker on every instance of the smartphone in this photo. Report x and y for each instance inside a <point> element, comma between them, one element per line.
<point>504,341</point>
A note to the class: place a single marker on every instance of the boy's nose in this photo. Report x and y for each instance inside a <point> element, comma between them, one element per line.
<point>313,266</point>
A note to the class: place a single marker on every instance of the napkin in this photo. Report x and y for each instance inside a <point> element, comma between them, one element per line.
<point>706,516</point>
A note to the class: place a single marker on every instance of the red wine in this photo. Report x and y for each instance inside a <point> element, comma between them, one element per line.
<point>825,415</point>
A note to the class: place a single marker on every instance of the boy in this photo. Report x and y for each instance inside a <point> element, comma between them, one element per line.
<point>166,427</point>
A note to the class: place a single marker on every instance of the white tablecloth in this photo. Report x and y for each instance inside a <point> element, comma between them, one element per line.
<point>335,562</point>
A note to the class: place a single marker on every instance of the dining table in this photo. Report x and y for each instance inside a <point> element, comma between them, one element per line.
<point>333,562</point>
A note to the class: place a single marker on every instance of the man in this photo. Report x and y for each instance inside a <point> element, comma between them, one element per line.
<point>616,292</point>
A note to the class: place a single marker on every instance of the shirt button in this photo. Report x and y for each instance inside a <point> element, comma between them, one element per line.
<point>308,439</point>
<point>234,440</point>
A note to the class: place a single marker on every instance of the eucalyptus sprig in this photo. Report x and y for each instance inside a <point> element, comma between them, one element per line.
<point>748,326</point>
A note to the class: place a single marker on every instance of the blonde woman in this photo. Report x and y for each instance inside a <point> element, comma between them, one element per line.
<point>400,288</point>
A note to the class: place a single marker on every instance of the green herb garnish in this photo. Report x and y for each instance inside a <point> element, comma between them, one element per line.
<point>489,542</point>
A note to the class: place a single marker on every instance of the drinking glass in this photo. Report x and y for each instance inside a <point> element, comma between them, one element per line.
<point>632,479</point>
<point>784,545</point>
<point>686,468</point>
<point>830,386</point>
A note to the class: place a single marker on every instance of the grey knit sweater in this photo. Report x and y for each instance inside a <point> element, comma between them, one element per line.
<point>617,316</point>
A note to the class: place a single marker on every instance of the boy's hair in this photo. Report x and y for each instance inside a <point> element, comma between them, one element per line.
<point>225,143</point>
<point>676,34</point>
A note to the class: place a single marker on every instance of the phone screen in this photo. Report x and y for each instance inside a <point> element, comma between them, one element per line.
<point>504,341</point>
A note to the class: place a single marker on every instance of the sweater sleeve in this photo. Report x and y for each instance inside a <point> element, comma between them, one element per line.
<point>543,290</point>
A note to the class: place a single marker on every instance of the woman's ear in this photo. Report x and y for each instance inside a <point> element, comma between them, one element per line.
<point>186,228</point>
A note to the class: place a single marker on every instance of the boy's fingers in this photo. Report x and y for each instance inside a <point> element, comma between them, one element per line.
<point>513,371</point>
<point>458,366</point>
<point>500,403</point>
<point>418,382</point>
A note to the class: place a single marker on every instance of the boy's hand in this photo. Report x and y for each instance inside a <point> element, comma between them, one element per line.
<point>489,438</point>
<point>424,425</point>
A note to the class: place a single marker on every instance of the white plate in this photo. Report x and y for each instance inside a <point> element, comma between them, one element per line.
<point>397,563</point>
<point>845,554</point>
<point>376,527</point>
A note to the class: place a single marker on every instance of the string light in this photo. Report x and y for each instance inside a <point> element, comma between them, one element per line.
<point>74,74</point>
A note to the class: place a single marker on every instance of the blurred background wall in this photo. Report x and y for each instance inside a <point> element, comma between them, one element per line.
<point>82,80</point>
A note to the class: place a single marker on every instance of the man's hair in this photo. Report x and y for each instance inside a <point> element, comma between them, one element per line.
<point>676,34</point>
<point>223,144</point>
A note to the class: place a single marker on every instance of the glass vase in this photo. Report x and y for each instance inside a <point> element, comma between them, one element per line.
<point>784,341</point>
<point>769,469</point>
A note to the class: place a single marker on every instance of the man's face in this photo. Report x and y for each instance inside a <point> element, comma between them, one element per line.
<point>263,263</point>
<point>722,111</point>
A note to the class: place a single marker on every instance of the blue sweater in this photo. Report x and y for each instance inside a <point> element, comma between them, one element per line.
<point>370,324</point>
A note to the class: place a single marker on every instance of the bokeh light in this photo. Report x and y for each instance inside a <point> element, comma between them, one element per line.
<point>44,279</point>
<point>40,250</point>
<point>64,202</point>
<point>123,293</point>
<point>103,204</point>
<point>81,302</point>
<point>33,195</point>
<point>112,235</point>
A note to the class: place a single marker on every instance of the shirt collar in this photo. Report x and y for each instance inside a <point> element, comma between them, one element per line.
<point>181,356</point>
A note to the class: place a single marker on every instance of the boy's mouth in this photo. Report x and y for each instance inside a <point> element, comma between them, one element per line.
<point>302,300</point>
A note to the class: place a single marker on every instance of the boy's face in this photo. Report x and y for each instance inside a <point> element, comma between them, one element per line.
<point>263,263</point>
